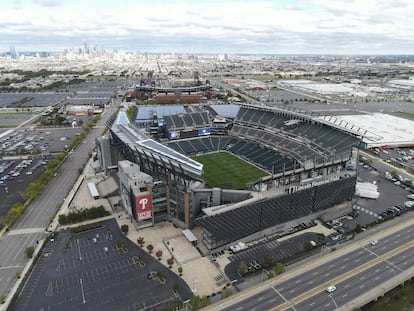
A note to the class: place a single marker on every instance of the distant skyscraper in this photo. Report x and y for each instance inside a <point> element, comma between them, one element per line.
<point>13,53</point>
<point>86,48</point>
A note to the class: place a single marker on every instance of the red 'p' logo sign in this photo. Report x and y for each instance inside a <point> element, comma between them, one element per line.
<point>143,202</point>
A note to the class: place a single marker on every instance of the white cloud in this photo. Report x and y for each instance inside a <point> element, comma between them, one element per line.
<point>49,2</point>
<point>310,26</point>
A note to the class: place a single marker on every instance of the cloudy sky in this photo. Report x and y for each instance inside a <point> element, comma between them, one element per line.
<point>211,26</point>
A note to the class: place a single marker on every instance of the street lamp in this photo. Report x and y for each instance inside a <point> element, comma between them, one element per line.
<point>80,255</point>
<point>83,293</point>
<point>333,300</point>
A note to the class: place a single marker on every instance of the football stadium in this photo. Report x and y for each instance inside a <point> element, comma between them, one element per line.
<point>240,172</point>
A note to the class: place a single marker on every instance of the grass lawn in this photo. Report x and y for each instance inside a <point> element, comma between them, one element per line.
<point>225,170</point>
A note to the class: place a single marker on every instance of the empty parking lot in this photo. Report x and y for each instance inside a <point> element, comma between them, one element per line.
<point>99,269</point>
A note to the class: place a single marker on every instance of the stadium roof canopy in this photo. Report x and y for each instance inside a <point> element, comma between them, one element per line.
<point>137,140</point>
<point>383,129</point>
<point>145,113</point>
<point>227,111</point>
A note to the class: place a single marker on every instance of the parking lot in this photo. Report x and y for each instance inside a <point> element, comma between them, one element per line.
<point>27,152</point>
<point>371,211</point>
<point>280,251</point>
<point>30,99</point>
<point>89,271</point>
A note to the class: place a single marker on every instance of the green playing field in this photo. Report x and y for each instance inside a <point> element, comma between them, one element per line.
<point>224,170</point>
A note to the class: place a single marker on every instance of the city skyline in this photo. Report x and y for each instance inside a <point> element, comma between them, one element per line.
<point>254,27</point>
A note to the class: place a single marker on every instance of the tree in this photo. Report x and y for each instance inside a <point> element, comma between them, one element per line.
<point>267,260</point>
<point>243,268</point>
<point>279,268</point>
<point>158,254</point>
<point>170,261</point>
<point>150,248</point>
<point>140,241</point>
<point>125,229</point>
<point>30,251</point>
<point>118,243</point>
<point>308,245</point>
<point>358,228</point>
<point>226,293</point>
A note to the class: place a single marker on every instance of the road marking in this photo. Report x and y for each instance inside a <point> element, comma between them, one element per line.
<point>272,300</point>
<point>310,282</point>
<point>284,298</point>
<point>346,294</point>
<point>342,267</point>
<point>311,304</point>
<point>347,285</point>
<point>327,305</point>
<point>11,267</point>
<point>377,278</point>
<point>297,281</point>
<point>362,286</point>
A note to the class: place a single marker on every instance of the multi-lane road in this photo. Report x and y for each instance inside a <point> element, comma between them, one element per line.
<point>354,272</point>
<point>32,225</point>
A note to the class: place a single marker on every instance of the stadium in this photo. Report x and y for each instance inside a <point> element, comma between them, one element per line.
<point>240,172</point>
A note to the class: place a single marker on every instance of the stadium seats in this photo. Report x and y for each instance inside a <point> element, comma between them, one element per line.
<point>226,227</point>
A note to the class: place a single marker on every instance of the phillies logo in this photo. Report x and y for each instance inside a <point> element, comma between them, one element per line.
<point>143,202</point>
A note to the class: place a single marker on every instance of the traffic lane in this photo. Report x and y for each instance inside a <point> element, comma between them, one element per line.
<point>67,175</point>
<point>15,244</point>
<point>345,291</point>
<point>392,241</point>
<point>305,282</point>
<point>321,274</point>
<point>360,283</point>
<point>334,268</point>
<point>255,302</point>
<point>377,274</point>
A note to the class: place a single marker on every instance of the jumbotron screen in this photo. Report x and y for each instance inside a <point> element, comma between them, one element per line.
<point>203,132</point>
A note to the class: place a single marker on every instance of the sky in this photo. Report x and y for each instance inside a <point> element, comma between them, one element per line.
<point>191,26</point>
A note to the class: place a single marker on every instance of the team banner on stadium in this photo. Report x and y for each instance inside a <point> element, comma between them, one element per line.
<point>144,206</point>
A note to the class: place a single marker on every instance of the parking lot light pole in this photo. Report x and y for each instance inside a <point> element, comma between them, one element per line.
<point>80,255</point>
<point>83,293</point>
<point>330,296</point>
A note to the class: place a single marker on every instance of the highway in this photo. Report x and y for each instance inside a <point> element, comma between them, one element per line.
<point>32,225</point>
<point>353,273</point>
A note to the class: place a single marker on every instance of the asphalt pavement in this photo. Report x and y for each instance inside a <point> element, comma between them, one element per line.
<point>350,270</point>
<point>88,271</point>
<point>32,225</point>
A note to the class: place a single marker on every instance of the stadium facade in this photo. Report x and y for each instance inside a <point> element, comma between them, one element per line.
<point>305,160</point>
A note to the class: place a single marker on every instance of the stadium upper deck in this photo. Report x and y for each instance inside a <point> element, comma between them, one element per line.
<point>130,139</point>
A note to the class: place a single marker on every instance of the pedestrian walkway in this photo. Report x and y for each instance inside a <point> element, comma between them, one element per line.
<point>26,230</point>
